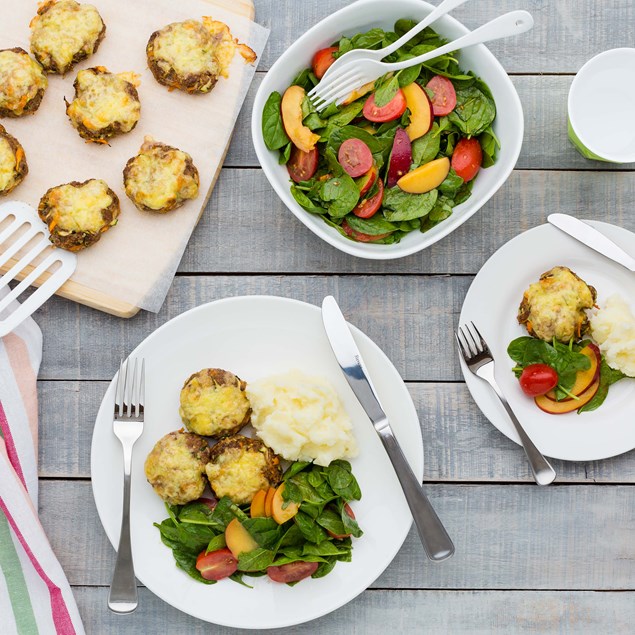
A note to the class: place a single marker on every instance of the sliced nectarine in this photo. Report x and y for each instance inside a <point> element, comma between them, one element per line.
<point>421,117</point>
<point>584,378</point>
<point>282,510</point>
<point>426,177</point>
<point>291,108</point>
<point>268,501</point>
<point>562,407</point>
<point>360,92</point>
<point>257,508</point>
<point>238,539</point>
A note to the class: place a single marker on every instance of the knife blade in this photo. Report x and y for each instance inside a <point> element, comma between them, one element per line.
<point>592,238</point>
<point>435,539</point>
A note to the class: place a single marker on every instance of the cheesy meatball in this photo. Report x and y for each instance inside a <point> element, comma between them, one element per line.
<point>105,104</point>
<point>22,83</point>
<point>214,403</point>
<point>77,214</point>
<point>65,32</point>
<point>239,467</point>
<point>176,467</point>
<point>13,167</point>
<point>160,178</point>
<point>554,307</point>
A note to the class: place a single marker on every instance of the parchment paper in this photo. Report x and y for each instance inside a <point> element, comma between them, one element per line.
<point>134,261</point>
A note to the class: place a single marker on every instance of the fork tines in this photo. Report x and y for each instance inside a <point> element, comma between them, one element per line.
<point>130,389</point>
<point>471,347</point>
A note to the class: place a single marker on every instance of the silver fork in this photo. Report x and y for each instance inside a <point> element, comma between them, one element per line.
<point>127,427</point>
<point>479,360</point>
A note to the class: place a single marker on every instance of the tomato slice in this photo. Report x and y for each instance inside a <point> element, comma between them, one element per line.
<point>293,571</point>
<point>216,565</point>
<point>368,207</point>
<point>349,511</point>
<point>392,110</point>
<point>302,165</point>
<point>355,157</point>
<point>538,379</point>
<point>467,158</point>
<point>323,60</point>
<point>362,238</point>
<point>443,95</point>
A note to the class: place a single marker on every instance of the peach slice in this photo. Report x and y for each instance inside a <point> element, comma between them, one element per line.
<point>426,177</point>
<point>238,539</point>
<point>268,501</point>
<point>421,117</point>
<point>291,108</point>
<point>279,512</point>
<point>570,405</point>
<point>360,92</point>
<point>584,378</point>
<point>257,508</point>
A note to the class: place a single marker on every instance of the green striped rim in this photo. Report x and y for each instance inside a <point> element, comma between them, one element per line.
<point>16,584</point>
<point>581,148</point>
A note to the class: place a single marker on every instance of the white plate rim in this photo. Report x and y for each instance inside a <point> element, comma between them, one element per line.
<point>416,461</point>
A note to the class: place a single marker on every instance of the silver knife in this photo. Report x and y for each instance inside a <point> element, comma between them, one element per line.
<point>593,238</point>
<point>434,537</point>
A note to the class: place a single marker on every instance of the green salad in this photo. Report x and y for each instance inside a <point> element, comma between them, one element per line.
<point>399,154</point>
<point>309,531</point>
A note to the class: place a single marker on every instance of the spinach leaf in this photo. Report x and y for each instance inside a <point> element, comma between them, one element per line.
<point>407,76</point>
<point>309,528</point>
<point>399,205</point>
<point>343,482</point>
<point>265,531</point>
<point>187,561</point>
<point>285,154</point>
<point>490,145</point>
<point>305,202</point>
<point>474,111</point>
<point>323,549</point>
<point>452,183</point>
<point>325,568</point>
<point>341,194</point>
<point>295,468</point>
<point>272,128</point>
<point>386,91</point>
<point>608,376</point>
<point>464,193</point>
<point>369,40</point>
<point>331,521</point>
<point>426,148</point>
<point>372,226</point>
<point>351,525</point>
<point>216,543</point>
<point>255,560</point>
<point>442,209</point>
<point>306,79</point>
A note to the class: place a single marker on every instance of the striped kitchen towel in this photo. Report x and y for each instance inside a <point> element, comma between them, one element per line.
<point>35,597</point>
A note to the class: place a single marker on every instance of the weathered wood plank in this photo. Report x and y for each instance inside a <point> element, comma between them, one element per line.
<point>247,228</point>
<point>408,612</point>
<point>546,145</point>
<point>565,34</point>
<point>459,443</point>
<point>574,537</point>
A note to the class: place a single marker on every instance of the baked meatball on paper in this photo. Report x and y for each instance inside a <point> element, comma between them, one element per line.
<point>13,166</point>
<point>22,83</point>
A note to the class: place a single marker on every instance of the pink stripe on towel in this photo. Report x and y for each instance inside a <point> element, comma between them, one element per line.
<point>12,453</point>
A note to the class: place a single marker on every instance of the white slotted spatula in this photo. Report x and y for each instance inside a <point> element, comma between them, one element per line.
<point>27,255</point>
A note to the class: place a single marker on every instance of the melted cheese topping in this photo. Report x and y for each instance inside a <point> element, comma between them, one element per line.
<point>226,45</point>
<point>80,209</point>
<point>7,166</point>
<point>103,100</point>
<point>187,48</point>
<point>157,177</point>
<point>238,474</point>
<point>20,80</point>
<point>66,29</point>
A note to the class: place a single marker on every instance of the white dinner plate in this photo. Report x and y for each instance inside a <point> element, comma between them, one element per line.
<point>254,337</point>
<point>492,304</point>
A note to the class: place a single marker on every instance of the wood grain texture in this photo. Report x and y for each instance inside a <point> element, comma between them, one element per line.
<point>459,443</point>
<point>545,147</point>
<point>572,537</point>
<point>565,35</point>
<point>407,612</point>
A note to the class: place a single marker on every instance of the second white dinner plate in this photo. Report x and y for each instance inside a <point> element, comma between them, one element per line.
<point>492,304</point>
<point>254,337</point>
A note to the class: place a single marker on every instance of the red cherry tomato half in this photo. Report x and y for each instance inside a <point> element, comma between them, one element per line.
<point>368,207</point>
<point>443,95</point>
<point>302,165</point>
<point>359,237</point>
<point>349,511</point>
<point>538,379</point>
<point>355,157</point>
<point>292,572</point>
<point>392,110</point>
<point>467,158</point>
<point>216,565</point>
<point>322,60</point>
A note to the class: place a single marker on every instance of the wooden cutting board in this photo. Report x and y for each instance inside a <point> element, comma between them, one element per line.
<point>102,301</point>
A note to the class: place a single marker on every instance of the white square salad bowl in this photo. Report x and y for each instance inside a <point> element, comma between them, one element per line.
<point>359,17</point>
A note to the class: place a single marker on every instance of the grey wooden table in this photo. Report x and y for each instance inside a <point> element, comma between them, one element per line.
<point>530,560</point>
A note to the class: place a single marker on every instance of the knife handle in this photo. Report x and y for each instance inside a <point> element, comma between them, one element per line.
<point>436,542</point>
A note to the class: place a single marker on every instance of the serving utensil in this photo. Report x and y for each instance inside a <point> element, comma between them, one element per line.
<point>26,254</point>
<point>351,76</point>
<point>592,238</point>
<point>436,542</point>
<point>478,358</point>
<point>127,427</point>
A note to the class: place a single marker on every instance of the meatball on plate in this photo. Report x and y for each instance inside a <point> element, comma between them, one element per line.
<point>176,467</point>
<point>13,166</point>
<point>214,403</point>
<point>239,467</point>
<point>22,83</point>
